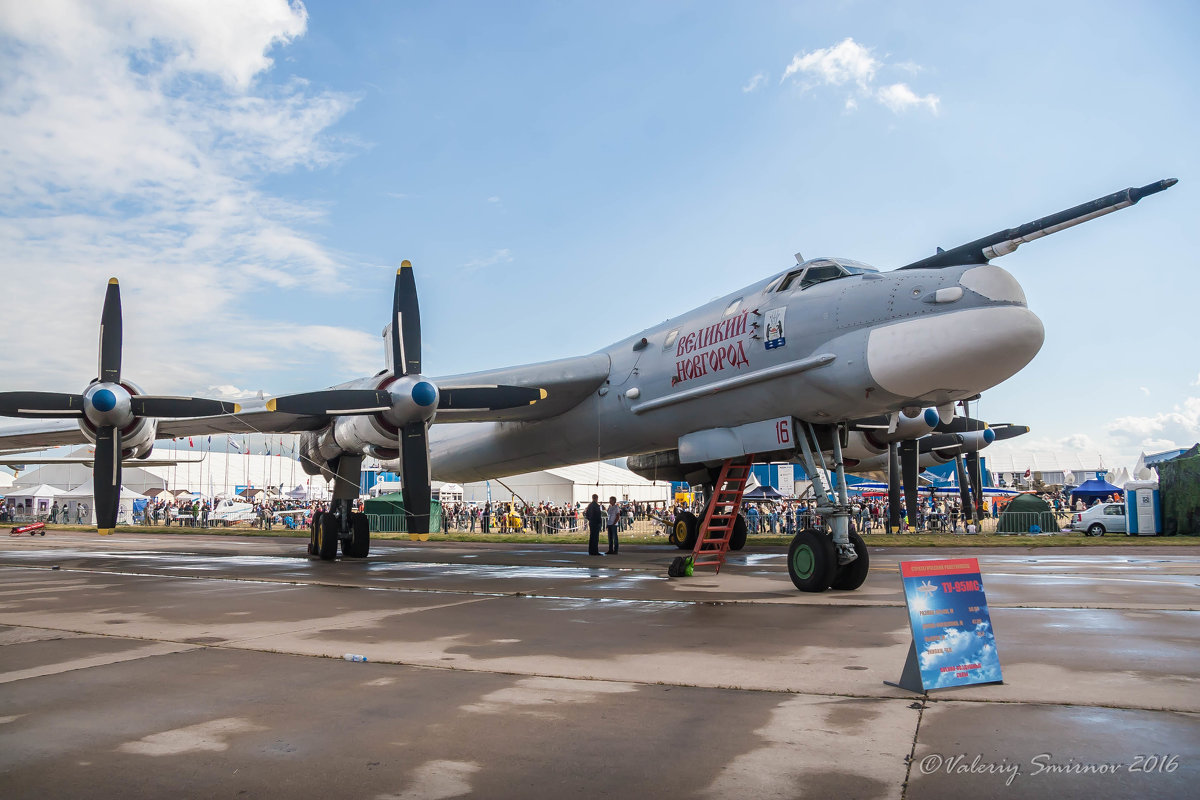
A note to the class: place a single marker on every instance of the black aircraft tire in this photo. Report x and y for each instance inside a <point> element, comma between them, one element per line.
<point>312,532</point>
<point>359,543</point>
<point>737,539</point>
<point>851,576</point>
<point>812,561</point>
<point>327,539</point>
<point>687,528</point>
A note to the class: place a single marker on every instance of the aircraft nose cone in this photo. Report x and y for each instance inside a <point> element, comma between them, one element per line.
<point>960,351</point>
<point>424,394</point>
<point>104,400</point>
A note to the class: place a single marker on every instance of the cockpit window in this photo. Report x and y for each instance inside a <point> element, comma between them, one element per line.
<point>670,340</point>
<point>820,270</point>
<point>732,308</point>
<point>819,274</point>
<point>791,281</point>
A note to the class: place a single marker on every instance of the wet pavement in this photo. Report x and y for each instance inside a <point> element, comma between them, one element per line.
<point>146,665</point>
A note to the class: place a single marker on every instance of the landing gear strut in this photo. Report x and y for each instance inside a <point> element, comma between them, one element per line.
<point>341,522</point>
<point>818,560</point>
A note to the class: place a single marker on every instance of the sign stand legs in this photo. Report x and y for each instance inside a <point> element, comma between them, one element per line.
<point>910,678</point>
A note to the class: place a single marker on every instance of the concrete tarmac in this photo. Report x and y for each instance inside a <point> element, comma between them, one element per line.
<point>190,666</point>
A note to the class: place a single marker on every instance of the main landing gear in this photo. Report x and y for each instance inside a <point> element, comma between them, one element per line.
<point>835,558</point>
<point>687,528</point>
<point>341,523</point>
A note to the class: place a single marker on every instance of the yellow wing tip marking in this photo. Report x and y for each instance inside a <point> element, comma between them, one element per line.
<point>104,531</point>
<point>271,404</point>
<point>405,264</point>
<point>237,407</point>
<point>112,281</point>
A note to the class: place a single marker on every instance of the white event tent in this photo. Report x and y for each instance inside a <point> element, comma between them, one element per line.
<point>80,505</point>
<point>569,485</point>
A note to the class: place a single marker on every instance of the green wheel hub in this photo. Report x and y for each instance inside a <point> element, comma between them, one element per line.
<point>804,561</point>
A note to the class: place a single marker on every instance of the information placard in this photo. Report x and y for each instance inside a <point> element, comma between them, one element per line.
<point>953,640</point>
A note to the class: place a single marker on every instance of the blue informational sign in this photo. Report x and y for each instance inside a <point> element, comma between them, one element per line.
<point>953,640</point>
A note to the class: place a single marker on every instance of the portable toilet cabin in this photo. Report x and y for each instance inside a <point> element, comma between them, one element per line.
<point>1143,508</point>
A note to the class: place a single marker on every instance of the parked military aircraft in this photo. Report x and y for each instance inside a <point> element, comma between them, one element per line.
<point>781,368</point>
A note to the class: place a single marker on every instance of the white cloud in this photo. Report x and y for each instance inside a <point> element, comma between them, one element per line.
<point>229,392</point>
<point>1144,390</point>
<point>493,199</point>
<point>845,61</point>
<point>755,82</point>
<point>850,63</point>
<point>898,97</point>
<point>1179,427</point>
<point>135,136</point>
<point>498,257</point>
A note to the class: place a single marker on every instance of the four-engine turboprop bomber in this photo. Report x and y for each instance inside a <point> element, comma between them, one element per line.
<point>783,368</point>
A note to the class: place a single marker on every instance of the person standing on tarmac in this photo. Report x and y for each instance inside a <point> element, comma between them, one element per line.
<point>594,517</point>
<point>614,518</point>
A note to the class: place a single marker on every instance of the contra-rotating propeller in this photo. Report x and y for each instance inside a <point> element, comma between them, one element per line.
<point>108,409</point>
<point>407,401</point>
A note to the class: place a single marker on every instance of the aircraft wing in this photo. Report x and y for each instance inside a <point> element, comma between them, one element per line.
<point>40,435</point>
<point>566,382</point>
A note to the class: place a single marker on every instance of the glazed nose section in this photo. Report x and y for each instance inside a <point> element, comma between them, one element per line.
<point>969,350</point>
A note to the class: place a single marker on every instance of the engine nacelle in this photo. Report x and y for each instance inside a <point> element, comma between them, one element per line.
<point>137,438</point>
<point>907,427</point>
<point>661,466</point>
<point>310,459</point>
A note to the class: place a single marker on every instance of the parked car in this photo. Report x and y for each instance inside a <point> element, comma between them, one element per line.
<point>1100,519</point>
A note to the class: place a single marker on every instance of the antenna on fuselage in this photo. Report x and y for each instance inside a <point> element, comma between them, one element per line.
<point>799,258</point>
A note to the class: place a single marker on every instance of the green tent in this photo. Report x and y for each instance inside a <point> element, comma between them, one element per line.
<point>1023,512</point>
<point>386,513</point>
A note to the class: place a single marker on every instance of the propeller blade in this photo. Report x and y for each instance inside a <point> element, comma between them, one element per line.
<point>894,487</point>
<point>110,335</point>
<point>961,425</point>
<point>40,405</point>
<point>492,398</point>
<point>106,478</point>
<point>939,441</point>
<point>154,406</point>
<point>910,467</point>
<point>1009,431</point>
<point>406,324</point>
<point>975,480</point>
<point>344,402</point>
<point>414,455</point>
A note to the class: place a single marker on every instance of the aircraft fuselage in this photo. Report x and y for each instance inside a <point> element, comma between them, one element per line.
<point>841,349</point>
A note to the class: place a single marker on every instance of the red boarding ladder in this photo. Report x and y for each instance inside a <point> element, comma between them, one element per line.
<point>712,541</point>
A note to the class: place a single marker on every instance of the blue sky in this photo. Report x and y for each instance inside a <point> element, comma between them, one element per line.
<point>563,174</point>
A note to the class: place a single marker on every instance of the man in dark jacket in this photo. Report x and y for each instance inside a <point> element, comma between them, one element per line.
<point>595,518</point>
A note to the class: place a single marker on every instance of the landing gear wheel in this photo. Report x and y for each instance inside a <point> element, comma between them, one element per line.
<point>312,533</point>
<point>1096,530</point>
<point>687,527</point>
<point>812,561</point>
<point>851,576</point>
<point>359,543</point>
<point>326,537</point>
<point>737,539</point>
